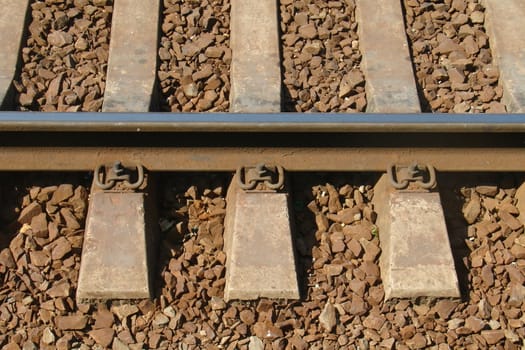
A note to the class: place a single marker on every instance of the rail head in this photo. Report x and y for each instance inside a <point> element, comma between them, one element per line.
<point>262,123</point>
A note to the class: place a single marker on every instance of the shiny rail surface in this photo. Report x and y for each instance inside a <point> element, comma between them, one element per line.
<point>246,122</point>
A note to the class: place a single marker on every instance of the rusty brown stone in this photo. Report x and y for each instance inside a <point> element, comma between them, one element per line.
<point>73,322</point>
<point>102,336</point>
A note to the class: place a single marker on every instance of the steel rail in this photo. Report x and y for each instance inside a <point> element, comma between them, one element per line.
<point>281,122</point>
<point>298,142</point>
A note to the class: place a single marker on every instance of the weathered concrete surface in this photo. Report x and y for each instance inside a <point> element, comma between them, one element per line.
<point>114,261</point>
<point>390,83</point>
<point>256,67</point>
<point>504,23</point>
<point>416,260</point>
<point>132,65</point>
<point>258,244</point>
<point>12,22</point>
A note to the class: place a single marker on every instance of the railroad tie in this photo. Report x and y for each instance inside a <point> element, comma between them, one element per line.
<point>390,84</point>
<point>258,242</point>
<point>416,259</point>
<point>132,65</point>
<point>258,232</point>
<point>119,238</point>
<point>12,21</point>
<point>507,38</point>
<point>255,67</point>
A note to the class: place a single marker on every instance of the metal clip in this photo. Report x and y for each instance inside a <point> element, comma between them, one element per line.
<point>118,174</point>
<point>401,176</point>
<point>271,177</point>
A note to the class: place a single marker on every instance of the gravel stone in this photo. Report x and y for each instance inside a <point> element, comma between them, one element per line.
<point>321,57</point>
<point>64,58</point>
<point>452,57</point>
<point>341,283</point>
<point>6,258</point>
<point>47,336</point>
<point>29,212</point>
<point>103,319</point>
<point>59,289</point>
<point>492,337</point>
<point>74,322</point>
<point>327,318</point>
<point>39,225</point>
<point>255,344</point>
<point>195,56</point>
<point>472,210</point>
<point>103,336</point>
<point>160,320</point>
<point>125,310</point>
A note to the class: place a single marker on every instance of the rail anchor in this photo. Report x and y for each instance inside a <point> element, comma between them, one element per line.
<point>260,177</point>
<point>413,177</point>
<point>118,177</point>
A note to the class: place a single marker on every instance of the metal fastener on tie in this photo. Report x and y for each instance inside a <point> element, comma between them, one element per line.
<point>118,173</point>
<point>401,176</point>
<point>249,178</point>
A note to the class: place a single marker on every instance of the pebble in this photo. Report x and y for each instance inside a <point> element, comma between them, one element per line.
<point>74,322</point>
<point>472,210</point>
<point>59,38</point>
<point>29,345</point>
<point>217,303</point>
<point>247,316</point>
<point>61,249</point>
<point>255,344</point>
<point>103,319</point>
<point>6,258</point>
<point>327,318</point>
<point>47,336</point>
<point>39,258</point>
<point>39,225</point>
<point>444,308</point>
<point>169,311</point>
<point>455,323</point>
<point>27,213</point>
<point>418,341</point>
<point>308,31</point>
<point>474,324</point>
<point>492,337</point>
<point>374,321</point>
<point>125,310</point>
<point>160,320</point>
<point>102,336</point>
<point>191,90</point>
<point>119,345</point>
<point>59,289</point>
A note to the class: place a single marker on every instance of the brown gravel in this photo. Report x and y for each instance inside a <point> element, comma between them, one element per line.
<point>452,57</point>
<point>65,56</point>
<point>343,296</point>
<point>321,57</point>
<point>195,56</point>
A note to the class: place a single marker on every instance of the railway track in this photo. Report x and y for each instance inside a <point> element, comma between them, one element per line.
<point>261,60</point>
